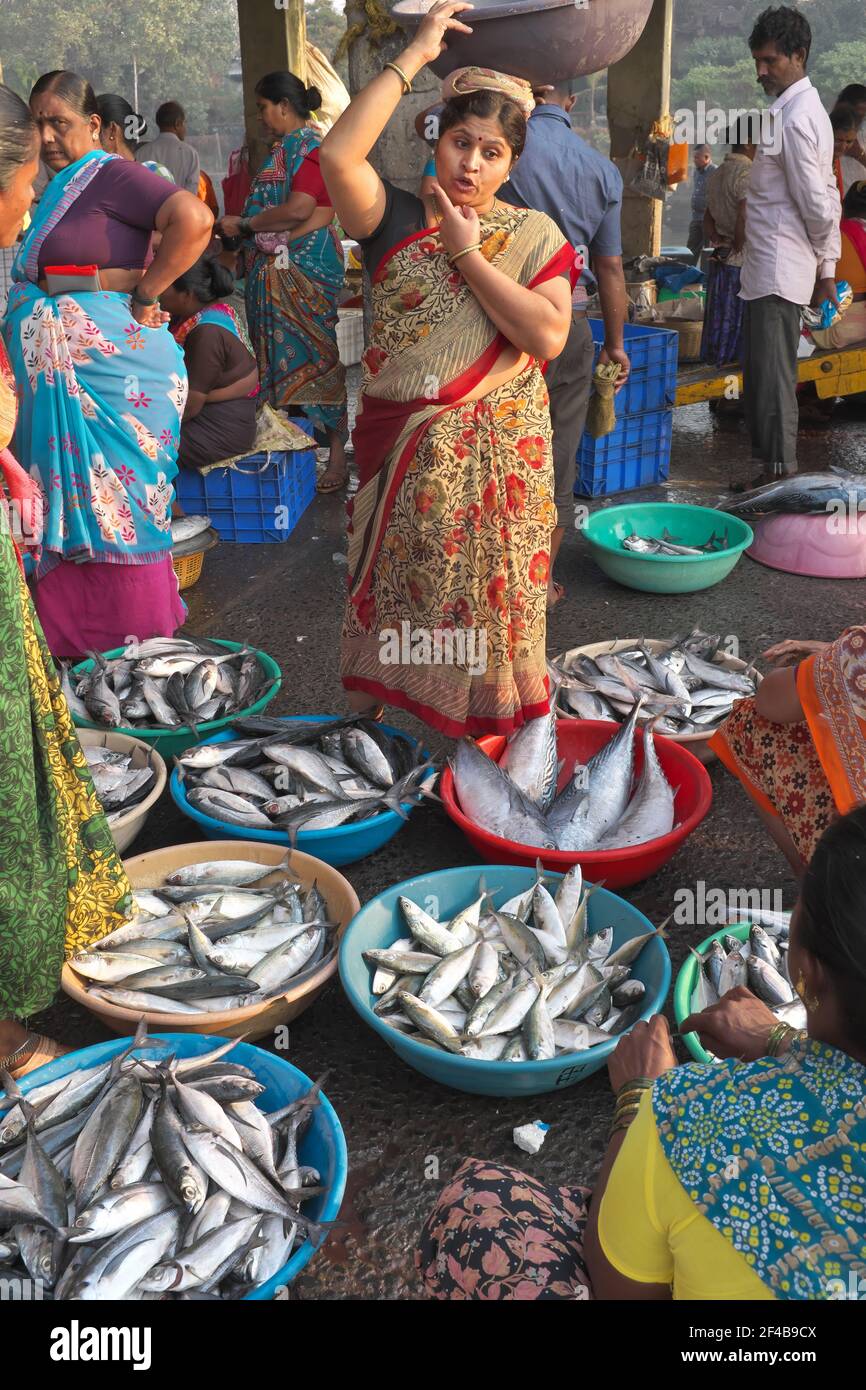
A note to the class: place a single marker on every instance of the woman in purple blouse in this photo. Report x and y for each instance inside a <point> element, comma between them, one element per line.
<point>102,381</point>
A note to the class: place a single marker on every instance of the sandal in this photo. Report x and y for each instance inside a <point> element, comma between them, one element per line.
<point>558,596</point>
<point>42,1050</point>
<point>335,485</point>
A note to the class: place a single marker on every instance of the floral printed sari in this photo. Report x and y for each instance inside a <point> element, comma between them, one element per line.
<point>450,528</point>
<point>291,293</point>
<point>806,773</point>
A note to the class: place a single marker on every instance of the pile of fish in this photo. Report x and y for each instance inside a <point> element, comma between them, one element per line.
<point>222,934</point>
<point>152,1177</point>
<point>119,784</point>
<point>683,686</point>
<point>672,545</point>
<point>600,808</point>
<point>760,963</point>
<point>804,493</point>
<point>526,982</point>
<point>303,775</point>
<point>184,528</point>
<point>166,682</point>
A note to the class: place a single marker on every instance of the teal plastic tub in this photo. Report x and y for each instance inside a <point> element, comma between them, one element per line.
<point>379,923</point>
<point>687,980</point>
<point>322,1146</point>
<point>606,530</point>
<point>169,742</point>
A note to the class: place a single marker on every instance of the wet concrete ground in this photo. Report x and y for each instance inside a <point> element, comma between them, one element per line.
<point>405,1134</point>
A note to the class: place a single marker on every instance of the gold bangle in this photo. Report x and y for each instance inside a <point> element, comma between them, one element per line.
<point>641,1081</point>
<point>407,85</point>
<point>465,252</point>
<point>780,1033</point>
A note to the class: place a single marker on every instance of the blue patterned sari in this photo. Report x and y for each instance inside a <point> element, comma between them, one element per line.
<point>101,400</point>
<point>773,1154</point>
<point>291,299</point>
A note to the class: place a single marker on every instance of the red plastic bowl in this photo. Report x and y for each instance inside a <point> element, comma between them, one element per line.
<point>577,741</point>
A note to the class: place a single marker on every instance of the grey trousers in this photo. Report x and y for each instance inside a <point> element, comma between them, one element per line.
<point>569,381</point>
<point>771,333</point>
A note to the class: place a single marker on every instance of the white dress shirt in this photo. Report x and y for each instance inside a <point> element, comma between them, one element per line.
<point>179,158</point>
<point>792,205</point>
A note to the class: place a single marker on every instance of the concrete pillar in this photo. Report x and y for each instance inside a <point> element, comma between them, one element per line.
<point>638,93</point>
<point>398,154</point>
<point>273,35</point>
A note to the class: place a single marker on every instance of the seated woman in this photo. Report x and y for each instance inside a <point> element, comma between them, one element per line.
<point>733,1180</point>
<point>219,420</point>
<point>798,745</point>
<point>851,266</point>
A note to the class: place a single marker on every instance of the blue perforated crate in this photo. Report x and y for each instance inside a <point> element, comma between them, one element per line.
<point>636,454</point>
<point>261,499</point>
<point>652,381</point>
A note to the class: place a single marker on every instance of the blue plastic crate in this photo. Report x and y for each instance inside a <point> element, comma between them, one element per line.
<point>652,381</point>
<point>636,454</point>
<point>261,499</point>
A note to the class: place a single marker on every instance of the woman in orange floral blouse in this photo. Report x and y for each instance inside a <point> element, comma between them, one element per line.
<point>450,529</point>
<point>799,747</point>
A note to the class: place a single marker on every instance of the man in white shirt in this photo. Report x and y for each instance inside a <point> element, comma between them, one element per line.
<point>792,235</point>
<point>170,147</point>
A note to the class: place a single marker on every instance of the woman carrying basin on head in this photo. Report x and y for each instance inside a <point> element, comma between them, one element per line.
<point>102,382</point>
<point>740,1179</point>
<point>451,525</point>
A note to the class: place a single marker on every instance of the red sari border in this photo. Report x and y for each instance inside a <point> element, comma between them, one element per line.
<point>451,728</point>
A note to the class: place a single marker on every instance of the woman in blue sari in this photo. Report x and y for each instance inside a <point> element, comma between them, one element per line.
<point>102,381</point>
<point>294,270</point>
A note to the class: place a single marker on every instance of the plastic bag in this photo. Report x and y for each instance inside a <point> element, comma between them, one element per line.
<point>321,74</point>
<point>652,179</point>
<point>678,163</point>
<point>601,416</point>
<point>827,314</point>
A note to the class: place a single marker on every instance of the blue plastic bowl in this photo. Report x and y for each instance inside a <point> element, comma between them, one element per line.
<point>379,923</point>
<point>323,1146</point>
<point>343,845</point>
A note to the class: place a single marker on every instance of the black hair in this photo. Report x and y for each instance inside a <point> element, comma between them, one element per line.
<point>207,279</point>
<point>852,95</point>
<point>488,106</point>
<point>170,114</point>
<point>19,135</point>
<point>115,110</point>
<point>854,202</point>
<point>832,920</point>
<point>844,118</point>
<point>284,86</point>
<point>75,91</point>
<point>784,26</point>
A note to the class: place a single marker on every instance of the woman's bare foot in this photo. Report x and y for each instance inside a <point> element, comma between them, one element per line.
<point>555,594</point>
<point>336,475</point>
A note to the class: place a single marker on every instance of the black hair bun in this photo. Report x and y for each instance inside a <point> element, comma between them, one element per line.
<point>314,99</point>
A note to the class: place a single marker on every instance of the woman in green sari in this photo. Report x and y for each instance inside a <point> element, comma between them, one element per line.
<point>62,885</point>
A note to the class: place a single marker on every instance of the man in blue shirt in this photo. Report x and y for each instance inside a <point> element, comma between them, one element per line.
<point>560,174</point>
<point>704,166</point>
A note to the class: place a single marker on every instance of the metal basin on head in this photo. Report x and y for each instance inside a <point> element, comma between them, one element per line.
<point>543,41</point>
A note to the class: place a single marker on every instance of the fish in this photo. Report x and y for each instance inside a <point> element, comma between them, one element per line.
<point>183,528</point>
<point>498,999</point>
<point>802,493</point>
<point>650,812</point>
<point>745,965</point>
<point>491,800</point>
<point>529,759</point>
<point>609,778</point>
<point>165,683</point>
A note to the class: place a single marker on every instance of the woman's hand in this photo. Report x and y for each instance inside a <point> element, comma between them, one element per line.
<point>459,227</point>
<point>738,1026</point>
<point>229,226</point>
<point>646,1051</point>
<point>148,315</point>
<point>792,652</point>
<point>429,42</point>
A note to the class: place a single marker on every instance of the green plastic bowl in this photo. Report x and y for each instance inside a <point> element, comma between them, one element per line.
<point>606,530</point>
<point>169,742</point>
<point>687,980</point>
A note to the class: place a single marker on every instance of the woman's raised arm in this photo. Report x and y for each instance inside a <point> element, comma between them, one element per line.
<point>356,190</point>
<point>186,226</point>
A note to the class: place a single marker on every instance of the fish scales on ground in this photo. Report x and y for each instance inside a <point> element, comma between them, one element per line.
<point>305,775</point>
<point>179,1160</point>
<point>598,808</point>
<point>167,683</point>
<point>685,685</point>
<point>231,945</point>
<point>525,974</point>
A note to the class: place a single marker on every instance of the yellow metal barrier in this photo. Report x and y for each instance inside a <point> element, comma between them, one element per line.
<point>834,373</point>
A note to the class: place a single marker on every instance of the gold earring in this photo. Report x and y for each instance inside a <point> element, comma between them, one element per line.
<point>810,1001</point>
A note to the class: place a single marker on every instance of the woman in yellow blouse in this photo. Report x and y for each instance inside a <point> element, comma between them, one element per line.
<point>738,1179</point>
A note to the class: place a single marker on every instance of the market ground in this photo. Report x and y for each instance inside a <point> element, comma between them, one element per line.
<point>401,1129</point>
